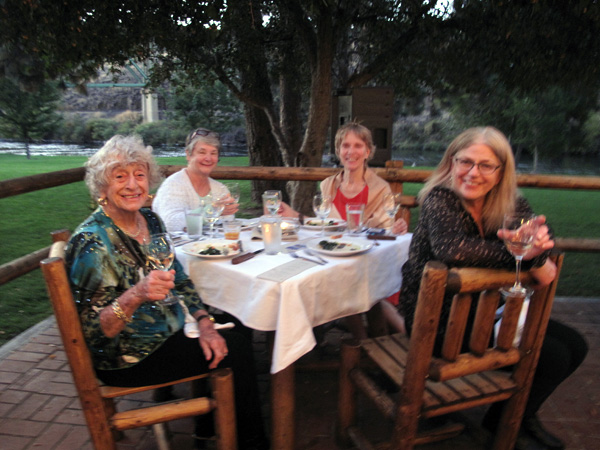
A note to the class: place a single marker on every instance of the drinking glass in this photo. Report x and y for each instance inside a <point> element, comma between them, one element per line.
<point>271,233</point>
<point>519,234</point>
<point>354,217</point>
<point>212,211</point>
<point>193,222</point>
<point>272,201</point>
<point>322,208</point>
<point>234,191</point>
<point>391,205</point>
<point>160,254</point>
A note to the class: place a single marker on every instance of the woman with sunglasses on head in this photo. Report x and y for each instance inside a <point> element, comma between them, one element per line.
<point>462,207</point>
<point>189,187</point>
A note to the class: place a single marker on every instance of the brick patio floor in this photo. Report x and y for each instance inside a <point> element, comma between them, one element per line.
<point>39,408</point>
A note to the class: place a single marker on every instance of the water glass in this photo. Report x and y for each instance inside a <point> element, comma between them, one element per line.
<point>271,234</point>
<point>193,222</point>
<point>354,217</point>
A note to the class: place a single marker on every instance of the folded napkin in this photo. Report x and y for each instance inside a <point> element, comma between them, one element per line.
<point>287,270</point>
<point>286,235</point>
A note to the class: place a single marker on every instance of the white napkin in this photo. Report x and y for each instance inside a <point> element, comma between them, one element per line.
<point>287,270</point>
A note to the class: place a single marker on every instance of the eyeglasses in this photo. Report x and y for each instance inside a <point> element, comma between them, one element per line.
<point>465,165</point>
<point>202,132</point>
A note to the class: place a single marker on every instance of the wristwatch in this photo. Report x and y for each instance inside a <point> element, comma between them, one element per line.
<point>206,316</point>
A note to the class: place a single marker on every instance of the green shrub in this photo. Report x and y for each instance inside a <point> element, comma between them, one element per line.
<point>154,133</point>
<point>101,129</point>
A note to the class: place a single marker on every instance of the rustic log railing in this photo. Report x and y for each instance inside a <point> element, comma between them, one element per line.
<point>394,174</point>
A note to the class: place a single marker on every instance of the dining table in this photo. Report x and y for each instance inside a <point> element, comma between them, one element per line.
<point>290,296</point>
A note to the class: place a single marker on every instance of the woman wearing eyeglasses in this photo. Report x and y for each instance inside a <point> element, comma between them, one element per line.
<point>188,188</point>
<point>462,207</point>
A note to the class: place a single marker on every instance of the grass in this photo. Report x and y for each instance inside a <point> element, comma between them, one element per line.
<point>26,222</point>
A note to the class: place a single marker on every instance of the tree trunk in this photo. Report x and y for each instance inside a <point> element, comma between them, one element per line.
<point>536,157</point>
<point>263,151</point>
<point>315,135</point>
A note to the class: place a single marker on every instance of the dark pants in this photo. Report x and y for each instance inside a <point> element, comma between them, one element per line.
<point>181,357</point>
<point>563,351</point>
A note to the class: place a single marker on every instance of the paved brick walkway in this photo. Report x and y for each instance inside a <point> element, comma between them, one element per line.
<point>39,408</point>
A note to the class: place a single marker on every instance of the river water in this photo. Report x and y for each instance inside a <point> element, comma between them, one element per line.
<point>567,165</point>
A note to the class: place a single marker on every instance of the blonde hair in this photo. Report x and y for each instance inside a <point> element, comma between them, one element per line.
<point>119,151</point>
<point>501,199</point>
<point>361,131</point>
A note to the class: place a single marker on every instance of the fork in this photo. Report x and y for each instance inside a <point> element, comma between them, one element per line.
<point>311,253</point>
<point>297,256</point>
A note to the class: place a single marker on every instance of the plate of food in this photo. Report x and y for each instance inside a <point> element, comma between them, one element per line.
<point>212,248</point>
<point>344,246</point>
<point>316,224</point>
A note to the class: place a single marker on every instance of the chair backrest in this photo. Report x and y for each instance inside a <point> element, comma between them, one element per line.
<point>97,401</point>
<point>78,355</point>
<point>477,288</point>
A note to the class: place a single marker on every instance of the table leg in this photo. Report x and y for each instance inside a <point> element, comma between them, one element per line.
<point>282,409</point>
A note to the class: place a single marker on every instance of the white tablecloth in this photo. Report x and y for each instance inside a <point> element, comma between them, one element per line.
<point>345,286</point>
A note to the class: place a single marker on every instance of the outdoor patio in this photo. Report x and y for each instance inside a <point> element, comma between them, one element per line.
<point>39,408</point>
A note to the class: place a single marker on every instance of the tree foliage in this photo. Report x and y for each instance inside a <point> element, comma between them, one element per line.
<point>283,59</point>
<point>28,115</point>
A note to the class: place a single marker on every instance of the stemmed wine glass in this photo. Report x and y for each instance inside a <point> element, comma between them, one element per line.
<point>391,205</point>
<point>272,201</point>
<point>322,208</point>
<point>212,211</point>
<point>519,234</point>
<point>160,254</point>
<point>234,191</point>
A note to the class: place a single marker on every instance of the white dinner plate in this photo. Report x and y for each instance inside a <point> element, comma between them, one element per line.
<point>315,224</point>
<point>345,246</point>
<point>226,248</point>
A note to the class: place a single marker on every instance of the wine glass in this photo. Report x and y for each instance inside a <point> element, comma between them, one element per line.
<point>272,201</point>
<point>234,191</point>
<point>391,205</point>
<point>212,211</point>
<point>519,234</point>
<point>160,254</point>
<point>322,208</point>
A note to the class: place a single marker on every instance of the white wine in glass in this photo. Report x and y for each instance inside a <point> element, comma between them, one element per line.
<point>391,205</point>
<point>160,254</point>
<point>519,235</point>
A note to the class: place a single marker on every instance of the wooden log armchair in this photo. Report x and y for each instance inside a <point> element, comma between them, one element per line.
<point>104,422</point>
<point>431,386</point>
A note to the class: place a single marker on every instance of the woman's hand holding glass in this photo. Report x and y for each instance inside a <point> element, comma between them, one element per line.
<point>155,286</point>
<point>160,254</point>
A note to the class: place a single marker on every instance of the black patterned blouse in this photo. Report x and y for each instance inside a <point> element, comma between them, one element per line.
<point>446,232</point>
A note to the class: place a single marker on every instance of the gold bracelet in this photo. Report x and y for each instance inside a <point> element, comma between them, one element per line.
<point>116,307</point>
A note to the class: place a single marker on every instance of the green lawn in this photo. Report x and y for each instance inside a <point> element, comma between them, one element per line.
<point>26,221</point>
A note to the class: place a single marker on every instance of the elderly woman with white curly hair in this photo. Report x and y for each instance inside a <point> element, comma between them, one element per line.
<point>134,338</point>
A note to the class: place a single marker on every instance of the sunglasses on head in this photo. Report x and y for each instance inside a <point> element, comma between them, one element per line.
<point>202,132</point>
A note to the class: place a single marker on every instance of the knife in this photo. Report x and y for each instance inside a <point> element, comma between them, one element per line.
<point>245,256</point>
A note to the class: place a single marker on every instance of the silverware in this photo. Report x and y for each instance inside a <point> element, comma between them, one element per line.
<point>297,256</point>
<point>311,253</point>
<point>245,256</point>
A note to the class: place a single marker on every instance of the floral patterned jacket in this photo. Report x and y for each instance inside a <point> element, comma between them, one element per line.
<point>102,263</point>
